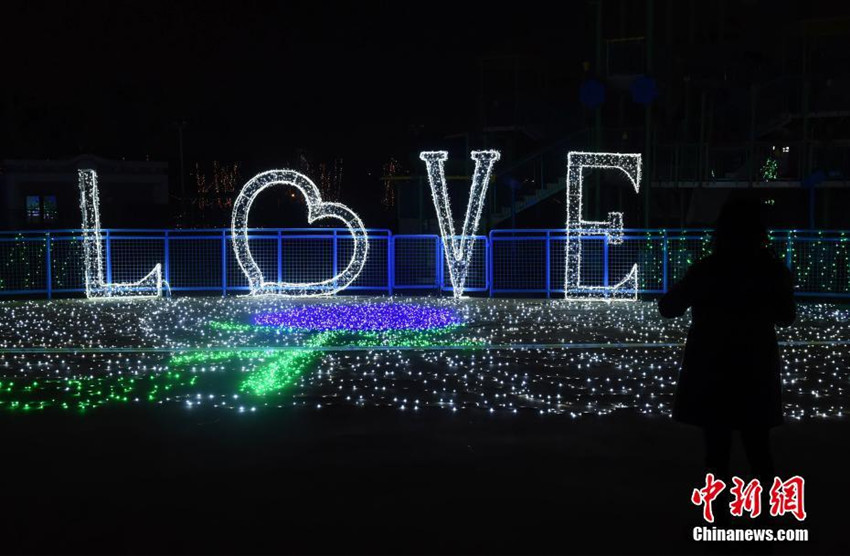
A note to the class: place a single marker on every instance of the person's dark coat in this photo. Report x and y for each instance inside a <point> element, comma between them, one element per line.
<point>731,371</point>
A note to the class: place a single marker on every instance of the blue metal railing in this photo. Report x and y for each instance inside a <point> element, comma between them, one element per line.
<point>505,262</point>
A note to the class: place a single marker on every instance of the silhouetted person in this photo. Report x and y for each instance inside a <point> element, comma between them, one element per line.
<point>730,374</point>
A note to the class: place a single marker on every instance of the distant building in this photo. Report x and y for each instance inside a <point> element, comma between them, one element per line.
<point>717,96</point>
<point>42,194</point>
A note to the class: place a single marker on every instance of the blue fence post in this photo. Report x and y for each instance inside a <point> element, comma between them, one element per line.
<point>167,270</point>
<point>49,268</point>
<point>280,256</point>
<point>664,256</point>
<point>490,262</point>
<point>789,249</point>
<point>335,255</point>
<point>548,264</point>
<point>605,260</point>
<point>390,263</point>
<point>223,263</point>
<point>486,266</point>
<point>438,247</point>
<point>108,258</point>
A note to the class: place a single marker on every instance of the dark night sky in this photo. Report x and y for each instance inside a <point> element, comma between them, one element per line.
<point>255,80</point>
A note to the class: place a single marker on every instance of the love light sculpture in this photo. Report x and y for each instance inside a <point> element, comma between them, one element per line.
<point>458,249</point>
<point>612,229</point>
<point>96,286</point>
<point>316,210</point>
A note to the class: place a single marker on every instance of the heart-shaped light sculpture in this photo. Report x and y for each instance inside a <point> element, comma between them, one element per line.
<point>316,210</point>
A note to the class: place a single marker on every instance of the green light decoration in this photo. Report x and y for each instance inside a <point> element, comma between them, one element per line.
<point>25,253</point>
<point>770,169</point>
<point>280,368</point>
<point>269,370</point>
<point>84,393</point>
<point>278,373</point>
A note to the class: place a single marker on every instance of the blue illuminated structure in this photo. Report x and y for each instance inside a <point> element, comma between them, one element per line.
<point>505,262</point>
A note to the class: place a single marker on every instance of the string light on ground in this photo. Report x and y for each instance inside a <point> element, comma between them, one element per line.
<point>354,325</point>
<point>507,357</point>
<point>383,316</point>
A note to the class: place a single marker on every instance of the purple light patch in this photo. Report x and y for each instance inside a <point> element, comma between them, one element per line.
<point>385,316</point>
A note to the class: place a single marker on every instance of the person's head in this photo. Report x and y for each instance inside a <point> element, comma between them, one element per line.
<point>739,229</point>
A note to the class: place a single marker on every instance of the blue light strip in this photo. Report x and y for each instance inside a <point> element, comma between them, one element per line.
<point>361,317</point>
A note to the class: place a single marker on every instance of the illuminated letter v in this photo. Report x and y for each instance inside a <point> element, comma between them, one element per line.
<point>458,249</point>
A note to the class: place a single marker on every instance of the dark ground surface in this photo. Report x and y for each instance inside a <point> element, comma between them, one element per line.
<point>131,480</point>
<point>167,477</point>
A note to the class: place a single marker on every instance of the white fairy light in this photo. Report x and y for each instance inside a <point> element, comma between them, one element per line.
<point>316,209</point>
<point>458,249</point>
<point>612,229</point>
<point>96,285</point>
<point>617,359</point>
